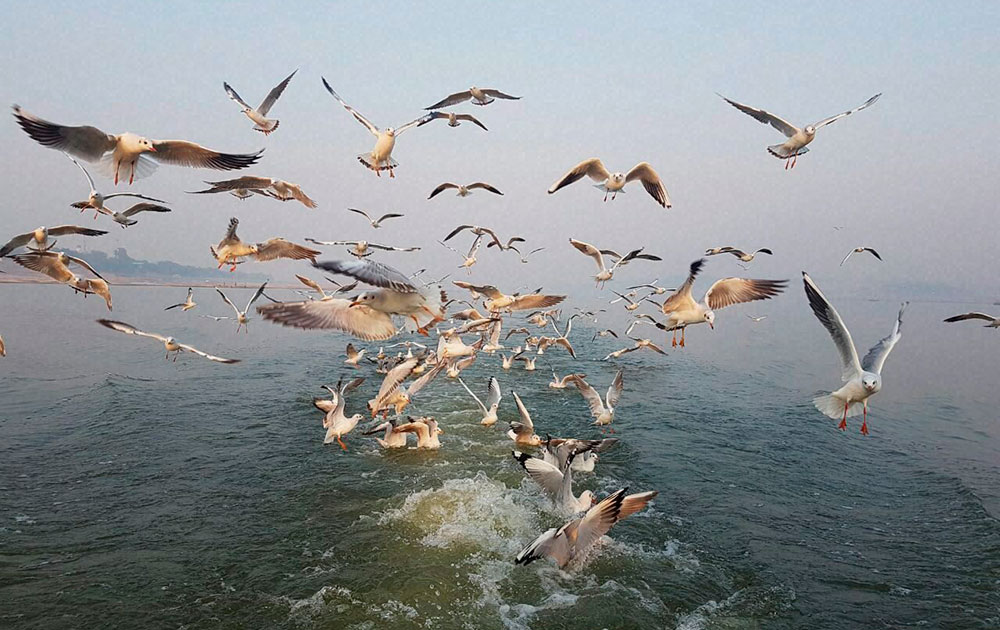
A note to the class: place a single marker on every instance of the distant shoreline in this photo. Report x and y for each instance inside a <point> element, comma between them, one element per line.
<point>138,282</point>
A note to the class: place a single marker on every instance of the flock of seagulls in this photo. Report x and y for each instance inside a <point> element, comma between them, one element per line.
<point>395,303</point>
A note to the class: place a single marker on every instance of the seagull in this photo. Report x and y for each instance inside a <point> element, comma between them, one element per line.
<point>492,401</point>
<point>124,218</point>
<point>259,116</point>
<point>604,274</point>
<point>614,183</point>
<point>427,431</point>
<point>557,482</point>
<point>127,150</point>
<point>523,431</point>
<point>469,259</point>
<point>757,319</point>
<point>562,383</point>
<point>265,186</point>
<point>561,340</point>
<point>336,423</point>
<point>368,315</point>
<point>652,286</point>
<point>453,119</point>
<point>454,368</point>
<point>376,223</point>
<point>393,438</point>
<point>682,311</point>
<point>632,305</point>
<point>312,284</point>
<point>797,138</point>
<point>639,343</point>
<point>485,231</point>
<point>397,398</point>
<point>231,248</point>
<point>862,379</point>
<point>169,343</point>
<point>360,248</point>
<point>603,411</point>
<point>353,355</point>
<point>380,157</point>
<point>187,304</point>
<point>557,450</point>
<point>478,96</point>
<point>241,316</point>
<point>994,322</point>
<point>95,200</point>
<point>604,333</point>
<point>574,539</point>
<point>859,250</point>
<point>56,266</point>
<point>464,191</point>
<point>40,236</point>
<point>745,257</point>
<point>498,301</point>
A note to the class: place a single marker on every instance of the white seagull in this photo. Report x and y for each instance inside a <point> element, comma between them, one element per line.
<point>56,266</point>
<point>393,438</point>
<point>797,138</point>
<point>492,402</point>
<point>95,200</point>
<point>603,273</point>
<point>557,482</point>
<point>169,343</point>
<point>230,249</point>
<point>427,431</point>
<point>859,250</point>
<point>40,237</point>
<point>454,120</point>
<point>380,157</point>
<point>862,379</point>
<point>241,316</point>
<point>335,421</point>
<point>187,304</point>
<point>614,183</point>
<point>994,322</point>
<point>522,431</point>
<point>466,190</point>
<point>136,153</point>
<point>603,411</point>
<point>376,223</point>
<point>259,115</point>
<point>478,96</point>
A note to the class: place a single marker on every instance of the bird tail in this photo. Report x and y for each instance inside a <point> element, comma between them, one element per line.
<point>366,159</point>
<point>833,407</point>
<point>779,151</point>
<point>267,130</point>
<point>489,99</point>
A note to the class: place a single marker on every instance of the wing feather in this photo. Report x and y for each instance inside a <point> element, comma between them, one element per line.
<point>830,318</point>
<point>337,313</point>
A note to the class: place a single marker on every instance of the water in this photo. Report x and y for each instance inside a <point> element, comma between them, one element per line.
<point>137,492</point>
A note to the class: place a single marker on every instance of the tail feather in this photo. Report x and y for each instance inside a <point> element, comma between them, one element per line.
<point>833,407</point>
<point>779,151</point>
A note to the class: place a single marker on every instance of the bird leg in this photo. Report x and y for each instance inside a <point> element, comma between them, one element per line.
<point>605,194</point>
<point>795,160</point>
<point>843,422</point>
<point>131,176</point>
<point>673,342</point>
<point>391,174</point>
<point>683,333</point>
<point>864,423</point>
<point>118,165</point>
<point>341,442</point>
<point>613,197</point>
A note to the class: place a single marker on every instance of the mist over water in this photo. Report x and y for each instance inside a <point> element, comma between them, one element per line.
<point>200,495</point>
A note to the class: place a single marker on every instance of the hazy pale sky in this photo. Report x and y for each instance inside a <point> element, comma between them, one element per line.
<point>913,176</point>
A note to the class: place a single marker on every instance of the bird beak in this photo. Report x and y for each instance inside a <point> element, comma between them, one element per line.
<point>152,149</point>
<point>711,325</point>
<point>441,431</point>
<point>353,304</point>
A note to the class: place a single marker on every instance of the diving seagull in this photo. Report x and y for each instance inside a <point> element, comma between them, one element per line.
<point>614,183</point>
<point>259,115</point>
<point>130,151</point>
<point>860,250</point>
<point>862,379</point>
<point>797,138</point>
<point>478,96</point>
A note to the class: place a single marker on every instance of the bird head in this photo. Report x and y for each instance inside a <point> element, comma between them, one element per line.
<point>589,496</point>
<point>810,130</point>
<point>363,298</point>
<point>618,177</point>
<point>390,131</point>
<point>710,318</point>
<point>146,145</point>
<point>871,382</point>
<point>357,418</point>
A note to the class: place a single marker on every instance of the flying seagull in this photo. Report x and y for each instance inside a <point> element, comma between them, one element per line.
<point>797,138</point>
<point>376,223</point>
<point>136,153</point>
<point>859,250</point>
<point>124,218</point>
<point>380,157</point>
<point>614,183</point>
<point>492,404</point>
<point>40,237</point>
<point>994,322</point>
<point>95,200</point>
<point>742,255</point>
<point>603,273</point>
<point>464,191</point>
<point>265,186</point>
<point>360,249</point>
<point>478,96</point>
<point>335,421</point>
<point>556,482</point>
<point>169,343</point>
<point>241,316</point>
<point>187,304</point>
<point>56,266</point>
<point>603,411</point>
<point>862,379</point>
<point>259,115</point>
<point>453,119</point>
<point>231,248</point>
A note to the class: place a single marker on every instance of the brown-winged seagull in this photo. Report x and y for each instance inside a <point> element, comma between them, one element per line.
<point>478,96</point>
<point>56,266</point>
<point>40,237</point>
<point>614,183</point>
<point>230,249</point>
<point>265,186</point>
<point>464,190</point>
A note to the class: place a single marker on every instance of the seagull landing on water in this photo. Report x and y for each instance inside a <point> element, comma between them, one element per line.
<point>129,151</point>
<point>258,116</point>
<point>862,379</point>
<point>380,157</point>
<point>335,421</point>
<point>860,250</point>
<point>795,146</point>
<point>994,322</point>
<point>614,183</point>
<point>478,96</point>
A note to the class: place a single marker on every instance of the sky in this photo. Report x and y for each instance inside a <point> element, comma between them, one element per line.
<point>913,176</point>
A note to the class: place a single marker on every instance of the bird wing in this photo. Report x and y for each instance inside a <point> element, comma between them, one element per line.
<point>831,119</point>
<point>484,186</point>
<point>230,236</point>
<point>598,521</point>
<point>272,96</point>
<point>390,215</point>
<point>390,248</point>
<point>534,300</point>
<point>494,396</point>
<point>370,272</point>
<point>337,313</point>
<point>144,207</point>
<point>361,212</point>
<point>18,241</point>
<point>184,153</point>
<point>85,142</point>
<point>361,119</point>
<point>875,359</point>
<point>475,247</point>
<point>457,230</point>
<point>488,290</point>
<point>90,180</point>
<point>227,300</point>
<point>47,265</point>
<point>249,182</point>
<point>849,254</point>
<point>973,315</point>
<point>615,390</point>
<point>830,318</point>
<point>549,477</point>
<point>83,263</point>
<point>451,99</point>
<point>300,196</point>
<point>553,544</point>
<point>259,292</point>
<point>312,284</point>
<point>768,118</point>
<point>529,426</point>
<point>441,188</point>
<point>421,429</point>
<point>592,168</point>
<point>499,94</point>
<point>61,230</point>
<point>280,248</point>
<point>471,119</point>
<point>129,329</point>
<point>210,357</point>
<point>873,252</point>
<point>414,123</point>
<point>589,250</point>
<point>635,502</point>
<point>233,95</point>
<point>650,181</point>
<point>395,377</point>
<point>476,398</point>
<point>426,378</point>
<point>681,298</point>
<point>729,291</point>
<point>591,396</point>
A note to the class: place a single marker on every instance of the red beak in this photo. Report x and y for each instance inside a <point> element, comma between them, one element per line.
<point>711,325</point>
<point>152,148</point>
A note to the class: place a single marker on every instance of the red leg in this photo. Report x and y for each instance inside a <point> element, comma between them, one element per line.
<point>864,423</point>
<point>131,176</point>
<point>673,342</point>
<point>683,334</point>
<point>843,422</point>
<point>341,442</point>
<point>605,195</point>
<point>118,165</point>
